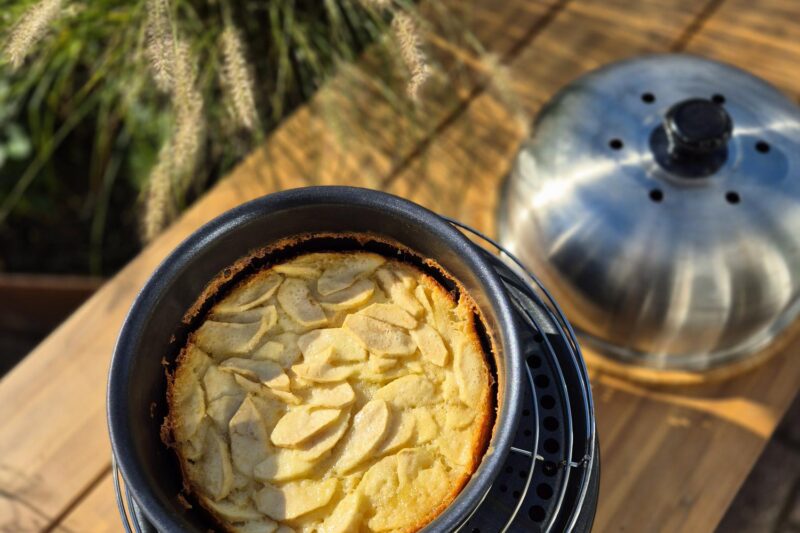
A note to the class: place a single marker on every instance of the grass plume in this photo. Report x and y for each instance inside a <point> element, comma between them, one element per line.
<point>409,41</point>
<point>30,29</point>
<point>236,79</point>
<point>160,43</point>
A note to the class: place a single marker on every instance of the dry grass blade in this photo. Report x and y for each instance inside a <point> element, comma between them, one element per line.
<point>160,44</point>
<point>408,38</point>
<point>237,82</point>
<point>30,29</point>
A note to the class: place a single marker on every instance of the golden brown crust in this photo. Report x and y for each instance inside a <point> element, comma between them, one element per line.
<point>227,281</point>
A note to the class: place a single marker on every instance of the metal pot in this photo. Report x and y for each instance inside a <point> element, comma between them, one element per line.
<point>137,380</point>
<point>659,199</point>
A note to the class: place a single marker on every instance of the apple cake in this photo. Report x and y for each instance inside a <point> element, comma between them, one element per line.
<point>333,392</point>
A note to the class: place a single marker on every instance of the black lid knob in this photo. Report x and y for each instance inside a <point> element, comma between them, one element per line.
<point>697,127</point>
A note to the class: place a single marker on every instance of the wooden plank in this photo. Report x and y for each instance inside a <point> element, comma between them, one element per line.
<point>762,37</point>
<point>53,441</point>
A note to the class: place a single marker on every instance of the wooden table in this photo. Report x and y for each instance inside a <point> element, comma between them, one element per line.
<point>672,459</point>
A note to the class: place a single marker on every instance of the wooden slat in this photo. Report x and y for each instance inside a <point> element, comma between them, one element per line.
<point>762,37</point>
<point>53,438</point>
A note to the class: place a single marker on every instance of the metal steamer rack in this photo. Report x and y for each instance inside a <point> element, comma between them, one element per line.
<point>550,479</point>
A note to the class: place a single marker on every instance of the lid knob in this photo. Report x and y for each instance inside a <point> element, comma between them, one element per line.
<point>692,141</point>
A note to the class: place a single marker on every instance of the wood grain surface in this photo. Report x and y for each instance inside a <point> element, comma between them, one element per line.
<point>672,458</point>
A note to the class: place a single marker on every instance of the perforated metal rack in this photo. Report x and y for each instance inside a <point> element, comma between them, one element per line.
<point>550,479</point>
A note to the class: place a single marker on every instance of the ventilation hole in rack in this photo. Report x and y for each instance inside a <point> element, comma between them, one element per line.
<point>544,491</point>
<point>615,144</point>
<point>762,146</point>
<point>549,468</point>
<point>527,433</point>
<point>648,98</point>
<point>535,361</point>
<point>551,446</point>
<point>547,401</point>
<point>541,381</point>
<point>732,197</point>
<point>538,338</point>
<point>523,474</point>
<point>476,530</point>
<point>718,99</point>
<point>503,488</point>
<point>550,423</point>
<point>656,195</point>
<point>509,470</point>
<point>536,513</point>
<point>526,412</point>
<point>516,494</point>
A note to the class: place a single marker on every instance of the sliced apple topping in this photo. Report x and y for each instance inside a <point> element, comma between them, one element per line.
<point>302,267</point>
<point>391,314</point>
<point>379,337</point>
<point>248,438</point>
<point>339,395</point>
<point>353,296</point>
<point>427,428</point>
<point>409,391</point>
<point>295,499</point>
<point>399,292</point>
<point>342,275</point>
<point>223,408</point>
<point>246,317</point>
<point>345,347</point>
<point>422,298</point>
<point>190,403</point>
<point>215,468</point>
<point>219,383</point>
<point>430,344</point>
<point>469,372</point>
<point>400,432</point>
<point>222,339</point>
<point>459,416</point>
<point>264,525</point>
<point>302,423</point>
<point>254,293</point>
<point>281,348</point>
<point>369,429</point>
<point>323,442</point>
<point>231,511</point>
<point>346,517</point>
<point>321,371</point>
<point>267,372</point>
<point>296,300</point>
<point>284,465</point>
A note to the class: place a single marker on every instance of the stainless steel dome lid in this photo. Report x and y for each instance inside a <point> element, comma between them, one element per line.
<point>659,199</point>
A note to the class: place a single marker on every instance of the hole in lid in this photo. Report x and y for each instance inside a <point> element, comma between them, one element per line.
<point>523,474</point>
<point>550,423</point>
<point>648,98</point>
<point>656,195</point>
<point>534,361</point>
<point>541,381</point>
<point>762,146</point>
<point>732,197</point>
<point>551,446</point>
<point>526,412</point>
<point>544,491</point>
<point>718,99</point>
<point>503,488</point>
<point>547,401</point>
<point>527,433</point>
<point>509,470</point>
<point>536,513</point>
<point>476,530</point>
<point>516,494</point>
<point>549,468</point>
<point>615,144</point>
<point>538,338</point>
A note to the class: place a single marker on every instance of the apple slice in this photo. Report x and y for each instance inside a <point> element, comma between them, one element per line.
<point>339,395</point>
<point>369,429</point>
<point>345,347</point>
<point>248,438</point>
<point>295,499</point>
<point>346,517</point>
<point>409,391</point>
<point>295,298</point>
<point>214,471</point>
<point>391,314</point>
<point>469,372</point>
<point>267,372</point>
<point>379,337</point>
<point>342,275</point>
<point>231,511</point>
<point>353,296</point>
<point>302,423</point>
<point>398,291</point>
<point>399,434</point>
<point>255,292</point>
<point>283,465</point>
<point>223,339</point>
<point>430,344</point>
